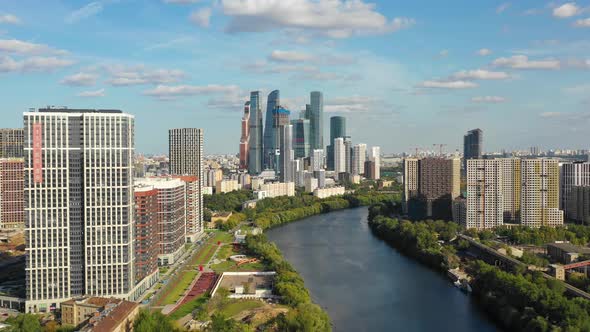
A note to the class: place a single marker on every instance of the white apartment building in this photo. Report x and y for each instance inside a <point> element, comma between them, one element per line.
<point>329,192</point>
<point>375,157</point>
<point>359,156</point>
<point>339,155</point>
<point>485,204</point>
<point>225,186</point>
<point>278,189</point>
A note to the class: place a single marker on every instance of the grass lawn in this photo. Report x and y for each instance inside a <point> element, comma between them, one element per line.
<point>235,308</point>
<point>226,251</point>
<point>226,266</point>
<point>188,307</point>
<point>175,293</point>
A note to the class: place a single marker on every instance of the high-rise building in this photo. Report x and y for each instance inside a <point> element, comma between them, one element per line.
<point>147,223</point>
<point>511,189</point>
<point>317,160</point>
<point>337,129</point>
<point>485,202</point>
<point>359,155</point>
<point>339,155</point>
<point>301,132</point>
<point>12,200</point>
<point>270,129</point>
<point>186,159</point>
<point>410,182</point>
<point>317,120</point>
<point>369,169</point>
<point>540,193</point>
<point>472,146</point>
<point>11,142</point>
<point>286,153</point>
<point>375,157</point>
<point>348,149</point>
<point>245,138</point>
<point>79,205</point>
<point>571,175</point>
<point>280,118</point>
<point>255,153</point>
<point>580,204</point>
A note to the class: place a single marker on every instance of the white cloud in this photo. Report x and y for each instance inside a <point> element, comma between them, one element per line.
<point>289,56</point>
<point>80,79</point>
<point>480,74</point>
<point>550,114</point>
<point>350,104</point>
<point>90,94</point>
<point>171,91</point>
<point>137,75</point>
<point>488,99</point>
<point>33,64</point>
<point>9,19</point>
<point>331,18</point>
<point>578,63</point>
<point>181,2</point>
<point>448,84</point>
<point>567,10</point>
<point>87,11</point>
<point>443,53</point>
<point>23,47</point>
<point>522,62</point>
<point>201,17</point>
<point>503,7</point>
<point>583,23</point>
<point>484,51</point>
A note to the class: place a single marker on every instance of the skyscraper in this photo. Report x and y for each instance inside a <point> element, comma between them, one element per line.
<point>255,153</point>
<point>317,160</point>
<point>572,174</point>
<point>472,146</point>
<point>337,129</point>
<point>147,223</point>
<point>245,138</point>
<point>485,200</point>
<point>339,155</point>
<point>186,158</point>
<point>511,189</point>
<point>317,120</point>
<point>270,131</point>
<point>540,193</point>
<point>375,157</point>
<point>359,155</point>
<point>286,154</point>
<point>280,118</point>
<point>348,150</point>
<point>12,209</point>
<point>11,143</point>
<point>301,132</point>
<point>79,205</point>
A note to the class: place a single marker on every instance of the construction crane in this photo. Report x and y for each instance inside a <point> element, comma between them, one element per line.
<point>440,148</point>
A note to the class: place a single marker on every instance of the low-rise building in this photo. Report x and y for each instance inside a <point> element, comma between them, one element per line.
<point>99,314</point>
<point>565,252</point>
<point>278,189</point>
<point>247,285</point>
<point>311,184</point>
<point>225,186</point>
<point>329,192</point>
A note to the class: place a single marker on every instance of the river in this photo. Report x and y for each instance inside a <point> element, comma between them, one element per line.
<point>365,285</point>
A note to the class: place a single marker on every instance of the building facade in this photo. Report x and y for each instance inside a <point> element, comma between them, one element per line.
<point>317,160</point>
<point>301,132</point>
<point>375,157</point>
<point>572,175</point>
<point>339,155</point>
<point>245,137</point>
<point>579,201</point>
<point>12,142</point>
<point>270,129</point>
<point>317,120</point>
<point>255,146</point>
<point>540,193</point>
<point>359,155</point>
<point>472,146</point>
<point>12,200</point>
<point>147,223</point>
<point>287,155</point>
<point>485,203</point>
<point>337,129</point>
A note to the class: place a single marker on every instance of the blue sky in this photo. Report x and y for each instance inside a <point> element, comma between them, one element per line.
<point>406,74</point>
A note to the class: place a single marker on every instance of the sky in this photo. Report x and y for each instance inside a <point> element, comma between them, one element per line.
<point>406,74</point>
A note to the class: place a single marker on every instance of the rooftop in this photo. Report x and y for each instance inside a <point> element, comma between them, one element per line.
<point>568,247</point>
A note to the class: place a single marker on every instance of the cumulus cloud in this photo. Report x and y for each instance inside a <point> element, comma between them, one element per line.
<point>289,56</point>
<point>138,75</point>
<point>9,19</point>
<point>85,12</point>
<point>523,62</point>
<point>484,52</point>
<point>167,91</point>
<point>503,7</point>
<point>201,17</point>
<point>488,99</point>
<point>33,64</point>
<point>80,79</point>
<point>92,94</point>
<point>331,18</point>
<point>350,104</point>
<point>583,23</point>
<point>22,47</point>
<point>480,74</point>
<point>567,10</point>
<point>448,84</point>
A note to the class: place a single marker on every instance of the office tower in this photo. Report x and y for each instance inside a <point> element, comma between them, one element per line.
<point>307,112</point>
<point>11,143</point>
<point>186,158</point>
<point>301,132</point>
<point>245,138</point>
<point>359,155</point>
<point>410,182</point>
<point>339,155</point>
<point>147,214</point>
<point>511,189</point>
<point>79,205</point>
<point>375,157</point>
<point>580,204</point>
<point>348,149</point>
<point>317,160</point>
<point>317,120</point>
<point>485,203</point>
<point>270,130</point>
<point>571,175</point>
<point>540,193</point>
<point>280,118</point>
<point>287,153</point>
<point>12,200</point>
<point>472,146</point>
<point>337,129</point>
<point>255,145</point>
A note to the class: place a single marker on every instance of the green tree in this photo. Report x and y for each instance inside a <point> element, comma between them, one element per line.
<point>153,322</point>
<point>24,323</point>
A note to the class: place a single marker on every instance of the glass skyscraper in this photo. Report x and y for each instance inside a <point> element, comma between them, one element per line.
<point>270,133</point>
<point>301,132</point>
<point>337,129</point>
<point>317,120</point>
<point>255,146</point>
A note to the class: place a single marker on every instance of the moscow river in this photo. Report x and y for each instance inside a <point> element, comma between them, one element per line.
<point>365,285</point>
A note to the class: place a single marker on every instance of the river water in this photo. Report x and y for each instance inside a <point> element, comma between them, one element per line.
<point>365,285</point>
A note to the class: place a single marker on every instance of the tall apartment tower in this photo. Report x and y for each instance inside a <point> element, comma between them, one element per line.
<point>540,193</point>
<point>375,157</point>
<point>12,200</point>
<point>337,129</point>
<point>11,142</point>
<point>78,205</point>
<point>348,150</point>
<point>511,189</point>
<point>255,153</point>
<point>410,182</point>
<point>287,154</point>
<point>485,203</point>
<point>147,225</point>
<point>576,174</point>
<point>317,119</point>
<point>359,155</point>
<point>339,155</point>
<point>245,137</point>
<point>186,158</point>
<point>270,130</point>
<point>317,160</point>
<point>301,132</point>
<point>472,146</point>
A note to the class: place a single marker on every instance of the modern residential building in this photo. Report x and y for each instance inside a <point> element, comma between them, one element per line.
<point>321,176</point>
<point>12,200</point>
<point>511,189</point>
<point>337,129</point>
<point>317,120</point>
<point>375,157</point>
<point>193,200</point>
<point>571,175</point>
<point>212,176</point>
<point>370,169</point>
<point>271,129</point>
<point>245,137</point>
<point>460,211</point>
<point>278,189</point>
<point>301,136</point>
<point>329,192</point>
<point>317,160</point>
<point>147,224</point>
<point>311,184</point>
<point>472,146</point>
<point>485,202</point>
<point>255,146</point>
<point>225,186</point>
<point>11,142</point>
<point>339,155</point>
<point>359,155</point>
<point>579,202</point>
<point>348,150</point>
<point>540,193</point>
<point>78,205</point>
<point>410,180</point>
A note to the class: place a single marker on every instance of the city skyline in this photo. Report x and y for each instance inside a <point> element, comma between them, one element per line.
<point>392,68</point>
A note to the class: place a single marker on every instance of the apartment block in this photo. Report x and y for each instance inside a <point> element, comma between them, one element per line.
<point>485,203</point>
<point>12,201</point>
